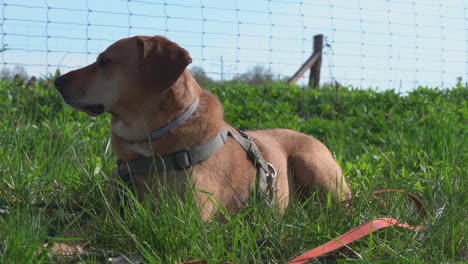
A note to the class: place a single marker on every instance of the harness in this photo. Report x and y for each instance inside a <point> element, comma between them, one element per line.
<point>184,159</point>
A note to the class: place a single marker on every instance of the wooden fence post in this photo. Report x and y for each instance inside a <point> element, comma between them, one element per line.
<point>314,78</point>
<point>313,63</point>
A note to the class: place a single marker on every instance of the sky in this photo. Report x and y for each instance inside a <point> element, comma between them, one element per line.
<point>399,44</point>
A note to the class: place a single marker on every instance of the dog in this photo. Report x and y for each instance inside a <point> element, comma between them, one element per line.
<point>158,110</point>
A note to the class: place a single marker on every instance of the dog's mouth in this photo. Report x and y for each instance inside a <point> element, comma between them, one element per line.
<point>92,110</point>
<point>71,101</point>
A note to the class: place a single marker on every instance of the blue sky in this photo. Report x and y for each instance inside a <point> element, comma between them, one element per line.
<point>383,44</point>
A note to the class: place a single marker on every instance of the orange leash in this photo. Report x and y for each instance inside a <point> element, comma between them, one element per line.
<point>203,261</point>
<point>362,230</point>
<point>351,236</point>
<point>355,233</point>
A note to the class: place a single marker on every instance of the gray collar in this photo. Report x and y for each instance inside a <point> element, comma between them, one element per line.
<point>180,120</point>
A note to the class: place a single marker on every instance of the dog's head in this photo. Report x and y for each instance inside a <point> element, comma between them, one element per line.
<point>125,72</point>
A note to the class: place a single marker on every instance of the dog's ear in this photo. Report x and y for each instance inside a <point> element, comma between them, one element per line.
<point>162,62</point>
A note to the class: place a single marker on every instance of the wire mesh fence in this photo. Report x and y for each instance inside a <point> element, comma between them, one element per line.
<point>397,44</point>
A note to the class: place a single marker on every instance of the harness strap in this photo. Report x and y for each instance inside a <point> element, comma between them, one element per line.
<point>250,147</point>
<point>186,158</point>
<point>174,161</point>
<point>265,171</point>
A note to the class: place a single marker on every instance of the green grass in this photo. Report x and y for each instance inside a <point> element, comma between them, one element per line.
<point>54,163</point>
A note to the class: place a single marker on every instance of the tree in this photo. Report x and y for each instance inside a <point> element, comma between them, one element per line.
<point>18,72</point>
<point>5,74</point>
<point>258,75</point>
<point>200,76</point>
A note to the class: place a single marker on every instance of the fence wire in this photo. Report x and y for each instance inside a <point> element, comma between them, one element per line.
<point>397,44</point>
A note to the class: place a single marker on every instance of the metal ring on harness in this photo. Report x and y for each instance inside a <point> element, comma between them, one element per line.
<point>271,168</point>
<point>270,190</point>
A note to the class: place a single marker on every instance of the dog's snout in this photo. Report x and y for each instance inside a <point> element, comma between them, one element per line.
<point>60,82</point>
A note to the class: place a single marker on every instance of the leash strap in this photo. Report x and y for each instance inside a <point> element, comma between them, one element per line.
<point>351,236</point>
<point>204,261</point>
<point>341,241</point>
<point>354,234</point>
<point>411,197</point>
<point>362,230</point>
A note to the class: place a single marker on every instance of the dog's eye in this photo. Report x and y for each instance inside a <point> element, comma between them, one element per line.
<point>102,61</point>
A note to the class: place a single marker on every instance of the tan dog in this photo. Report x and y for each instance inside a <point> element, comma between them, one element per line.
<point>143,83</point>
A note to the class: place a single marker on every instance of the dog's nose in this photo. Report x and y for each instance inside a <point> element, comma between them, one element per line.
<point>60,82</point>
